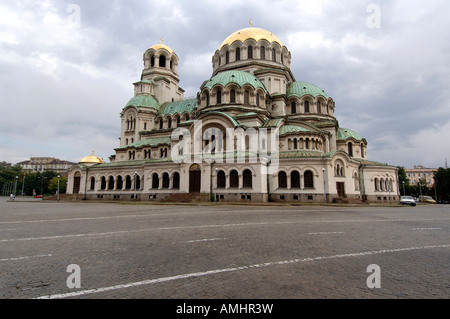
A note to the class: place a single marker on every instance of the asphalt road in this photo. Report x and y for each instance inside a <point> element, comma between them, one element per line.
<point>90,250</point>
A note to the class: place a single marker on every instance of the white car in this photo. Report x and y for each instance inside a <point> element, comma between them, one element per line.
<point>407,200</point>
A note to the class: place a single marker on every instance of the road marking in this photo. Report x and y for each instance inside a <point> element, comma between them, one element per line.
<point>208,226</point>
<point>85,218</point>
<point>25,257</point>
<point>234,269</point>
<point>430,228</point>
<point>203,240</point>
<point>326,233</point>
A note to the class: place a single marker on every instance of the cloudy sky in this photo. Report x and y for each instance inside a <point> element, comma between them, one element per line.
<point>67,67</point>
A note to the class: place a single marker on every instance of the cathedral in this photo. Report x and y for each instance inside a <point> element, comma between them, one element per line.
<point>253,133</point>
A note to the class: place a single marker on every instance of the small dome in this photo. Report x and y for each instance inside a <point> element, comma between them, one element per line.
<point>156,47</point>
<point>251,33</point>
<point>344,134</point>
<point>143,101</point>
<point>92,159</point>
<point>240,78</point>
<point>300,89</point>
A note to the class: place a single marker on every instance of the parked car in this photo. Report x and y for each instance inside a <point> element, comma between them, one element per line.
<point>427,200</point>
<point>407,200</point>
<point>39,196</point>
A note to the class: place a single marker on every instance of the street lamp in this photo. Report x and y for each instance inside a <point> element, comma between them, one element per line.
<point>388,187</point>
<point>135,182</point>
<point>324,186</point>
<point>15,186</point>
<point>59,176</point>
<point>404,194</point>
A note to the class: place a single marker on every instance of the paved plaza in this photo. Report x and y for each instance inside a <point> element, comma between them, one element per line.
<point>216,251</point>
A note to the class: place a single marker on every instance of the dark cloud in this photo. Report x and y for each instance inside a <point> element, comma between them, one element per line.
<point>63,85</point>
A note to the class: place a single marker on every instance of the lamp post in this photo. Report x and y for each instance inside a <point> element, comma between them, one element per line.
<point>324,186</point>
<point>15,186</point>
<point>404,194</point>
<point>135,180</point>
<point>59,176</point>
<point>388,187</point>
<point>23,185</point>
<point>215,195</point>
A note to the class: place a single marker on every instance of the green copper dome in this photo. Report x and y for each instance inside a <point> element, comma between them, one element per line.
<point>240,78</point>
<point>143,101</point>
<point>300,89</point>
<point>345,133</point>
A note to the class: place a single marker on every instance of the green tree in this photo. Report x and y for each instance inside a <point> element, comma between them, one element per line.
<point>403,181</point>
<point>53,185</point>
<point>442,183</point>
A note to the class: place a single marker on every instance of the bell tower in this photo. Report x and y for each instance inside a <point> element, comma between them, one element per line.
<point>161,69</point>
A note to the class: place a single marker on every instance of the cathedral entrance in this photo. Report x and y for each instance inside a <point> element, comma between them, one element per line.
<point>195,179</point>
<point>341,190</point>
<point>76,183</point>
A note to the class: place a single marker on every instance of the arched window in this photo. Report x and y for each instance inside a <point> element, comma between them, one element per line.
<point>119,182</point>
<point>137,182</point>
<point>309,179</point>
<point>293,107</point>
<point>247,179</point>
<point>263,53</point>
<point>232,96</point>
<point>307,144</point>
<point>350,149</point>
<point>238,54</point>
<point>166,181</point>
<point>356,181</point>
<point>162,61</point>
<point>274,55</point>
<point>319,107</point>
<point>128,182</point>
<point>234,179</point>
<point>155,181</point>
<point>377,185</point>
<point>103,183</point>
<point>227,57</point>
<point>258,97</point>
<point>111,183</point>
<point>219,97</point>
<point>246,97</point>
<point>295,144</point>
<point>295,179</point>
<point>307,110</point>
<point>282,180</point>
<point>92,183</point>
<point>176,181</point>
<point>250,52</point>
<point>221,182</point>
<point>207,99</point>
<point>161,124</point>
<point>152,61</point>
<point>169,123</point>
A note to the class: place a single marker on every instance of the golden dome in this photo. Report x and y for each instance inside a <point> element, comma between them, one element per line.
<point>92,159</point>
<point>251,33</point>
<point>156,47</point>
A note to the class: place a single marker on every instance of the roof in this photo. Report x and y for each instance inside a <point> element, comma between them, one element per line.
<point>143,101</point>
<point>179,107</point>
<point>91,159</point>
<point>272,123</point>
<point>240,78</point>
<point>156,47</point>
<point>300,89</point>
<point>344,134</point>
<point>152,142</point>
<point>251,33</point>
<point>286,129</point>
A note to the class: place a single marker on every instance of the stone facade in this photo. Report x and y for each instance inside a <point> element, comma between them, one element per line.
<point>253,133</point>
